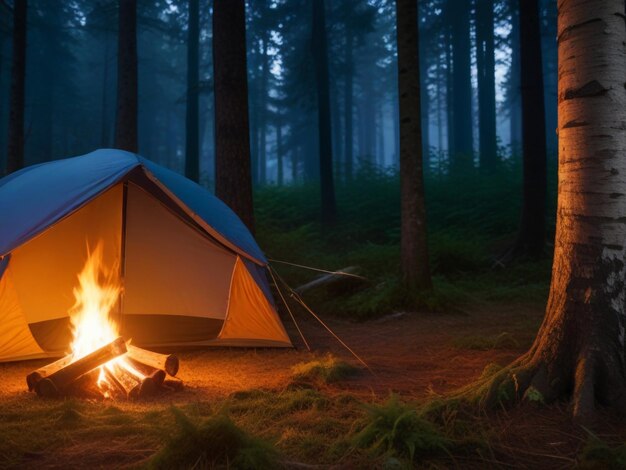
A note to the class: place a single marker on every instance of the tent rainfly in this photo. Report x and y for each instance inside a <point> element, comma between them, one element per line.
<point>192,274</point>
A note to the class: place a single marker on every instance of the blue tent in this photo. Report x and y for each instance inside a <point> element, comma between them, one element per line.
<point>191,272</point>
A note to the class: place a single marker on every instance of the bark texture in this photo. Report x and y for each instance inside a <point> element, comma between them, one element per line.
<point>192,126</point>
<point>15,145</point>
<point>233,179</point>
<point>413,246</point>
<point>320,58</point>
<point>532,232</point>
<point>579,350</point>
<point>126,117</point>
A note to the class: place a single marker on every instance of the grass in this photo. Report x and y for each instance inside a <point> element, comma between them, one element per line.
<point>323,371</point>
<point>471,221</point>
<point>217,441</point>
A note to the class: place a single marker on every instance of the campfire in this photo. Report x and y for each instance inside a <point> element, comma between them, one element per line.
<point>101,363</point>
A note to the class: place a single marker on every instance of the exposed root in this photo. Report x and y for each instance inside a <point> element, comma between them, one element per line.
<point>531,380</point>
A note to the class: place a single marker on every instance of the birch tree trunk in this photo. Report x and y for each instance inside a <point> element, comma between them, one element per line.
<point>413,246</point>
<point>579,350</point>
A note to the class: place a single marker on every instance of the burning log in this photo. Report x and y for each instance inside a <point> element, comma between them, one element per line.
<point>86,387</point>
<point>54,385</point>
<point>166,362</point>
<point>45,371</point>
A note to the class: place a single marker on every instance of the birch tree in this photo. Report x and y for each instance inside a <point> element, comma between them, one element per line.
<point>579,350</point>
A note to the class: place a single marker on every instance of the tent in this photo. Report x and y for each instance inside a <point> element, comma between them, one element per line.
<point>192,273</point>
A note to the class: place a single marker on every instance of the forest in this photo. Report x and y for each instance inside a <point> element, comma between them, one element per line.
<point>399,224</point>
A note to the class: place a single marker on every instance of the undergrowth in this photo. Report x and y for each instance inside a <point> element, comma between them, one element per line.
<point>323,371</point>
<point>216,442</point>
<point>471,221</point>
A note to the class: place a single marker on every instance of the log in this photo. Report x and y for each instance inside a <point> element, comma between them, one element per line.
<point>45,371</point>
<point>55,384</point>
<point>338,280</point>
<point>167,362</point>
<point>116,383</point>
<point>146,389</point>
<point>86,387</point>
<point>158,377</point>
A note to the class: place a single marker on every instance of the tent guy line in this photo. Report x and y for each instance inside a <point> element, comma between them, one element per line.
<point>294,295</point>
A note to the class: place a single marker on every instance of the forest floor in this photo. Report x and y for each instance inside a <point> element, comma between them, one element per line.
<point>315,421</point>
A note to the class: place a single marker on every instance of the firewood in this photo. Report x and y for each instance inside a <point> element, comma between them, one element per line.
<point>146,389</point>
<point>55,384</point>
<point>167,362</point>
<point>115,382</point>
<point>86,387</point>
<point>158,376</point>
<point>45,371</point>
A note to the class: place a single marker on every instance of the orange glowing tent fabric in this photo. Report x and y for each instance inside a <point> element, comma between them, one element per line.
<point>192,274</point>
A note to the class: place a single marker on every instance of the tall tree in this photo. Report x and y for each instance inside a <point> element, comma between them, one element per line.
<point>462,153</point>
<point>485,60</point>
<point>320,58</point>
<point>580,349</point>
<point>413,245</point>
<point>531,237</point>
<point>126,118</point>
<point>192,125</point>
<point>233,179</point>
<point>15,146</point>
<point>513,86</point>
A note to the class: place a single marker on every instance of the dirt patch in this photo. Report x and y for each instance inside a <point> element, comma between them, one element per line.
<point>412,355</point>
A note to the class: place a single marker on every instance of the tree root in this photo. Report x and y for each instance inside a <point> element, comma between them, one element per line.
<point>530,380</point>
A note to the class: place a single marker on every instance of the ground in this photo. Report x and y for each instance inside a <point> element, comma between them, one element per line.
<point>416,356</point>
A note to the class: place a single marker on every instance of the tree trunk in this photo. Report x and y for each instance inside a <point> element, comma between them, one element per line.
<point>104,131</point>
<point>126,119</point>
<point>265,71</point>
<point>579,350</point>
<point>348,106</point>
<point>463,151</point>
<point>413,246</point>
<point>15,145</point>
<point>531,237</point>
<point>279,152</point>
<point>320,58</point>
<point>449,99</point>
<point>192,137</point>
<point>485,59</point>
<point>233,180</point>
<point>514,84</point>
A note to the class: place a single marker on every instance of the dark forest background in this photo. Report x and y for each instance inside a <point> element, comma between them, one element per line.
<point>466,51</point>
<point>471,112</point>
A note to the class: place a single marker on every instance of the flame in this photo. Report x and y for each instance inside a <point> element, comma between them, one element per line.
<point>96,294</point>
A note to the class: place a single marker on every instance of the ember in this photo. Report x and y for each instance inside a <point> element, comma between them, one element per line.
<point>101,363</point>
